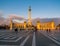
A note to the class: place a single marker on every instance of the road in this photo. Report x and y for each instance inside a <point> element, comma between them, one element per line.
<point>25,38</point>
<point>41,40</point>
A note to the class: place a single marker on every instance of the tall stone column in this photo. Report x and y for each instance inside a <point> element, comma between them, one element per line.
<point>29,16</point>
<point>10,24</point>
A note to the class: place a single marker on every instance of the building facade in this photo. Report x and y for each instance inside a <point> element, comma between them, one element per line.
<point>46,25</point>
<point>28,24</point>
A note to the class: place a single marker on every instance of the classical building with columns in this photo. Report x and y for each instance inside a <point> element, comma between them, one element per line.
<point>45,26</point>
<point>24,24</point>
<point>28,24</point>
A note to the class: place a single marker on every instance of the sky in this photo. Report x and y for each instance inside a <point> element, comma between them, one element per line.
<point>40,8</point>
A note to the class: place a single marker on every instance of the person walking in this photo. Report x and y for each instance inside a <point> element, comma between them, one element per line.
<point>16,30</point>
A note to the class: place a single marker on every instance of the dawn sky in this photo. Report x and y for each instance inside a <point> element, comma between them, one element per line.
<point>40,8</point>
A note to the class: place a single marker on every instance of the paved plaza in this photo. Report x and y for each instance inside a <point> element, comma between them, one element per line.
<point>25,38</point>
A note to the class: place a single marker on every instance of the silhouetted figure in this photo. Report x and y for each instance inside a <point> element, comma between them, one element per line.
<point>16,30</point>
<point>35,29</point>
<point>47,30</point>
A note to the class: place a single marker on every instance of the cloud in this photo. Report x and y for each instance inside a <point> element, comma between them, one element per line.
<point>2,20</point>
<point>14,16</point>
